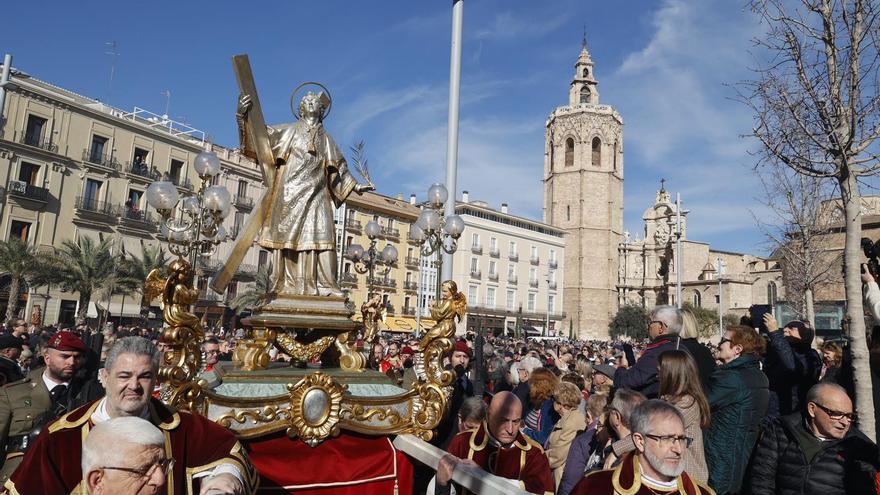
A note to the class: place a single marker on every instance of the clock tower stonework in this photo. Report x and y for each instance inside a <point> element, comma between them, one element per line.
<point>583,194</point>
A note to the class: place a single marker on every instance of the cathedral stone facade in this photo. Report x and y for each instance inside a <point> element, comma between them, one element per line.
<point>583,195</point>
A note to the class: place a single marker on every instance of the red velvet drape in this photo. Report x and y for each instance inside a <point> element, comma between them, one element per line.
<point>348,464</point>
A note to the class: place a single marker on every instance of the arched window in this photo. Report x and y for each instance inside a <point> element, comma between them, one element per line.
<point>616,151</point>
<point>586,72</point>
<point>698,299</point>
<point>569,152</point>
<point>585,94</point>
<point>597,152</point>
<point>771,294</point>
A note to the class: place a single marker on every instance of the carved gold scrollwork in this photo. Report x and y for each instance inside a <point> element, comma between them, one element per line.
<point>315,402</point>
<point>303,352</point>
<point>350,359</point>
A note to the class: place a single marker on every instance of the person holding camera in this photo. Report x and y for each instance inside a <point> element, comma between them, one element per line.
<point>791,365</point>
<point>871,292</point>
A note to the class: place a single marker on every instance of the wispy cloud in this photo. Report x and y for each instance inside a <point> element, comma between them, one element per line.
<point>506,26</point>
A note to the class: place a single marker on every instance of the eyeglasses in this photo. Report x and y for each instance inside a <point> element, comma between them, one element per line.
<point>723,340</point>
<point>837,415</point>
<point>165,465</point>
<point>666,441</point>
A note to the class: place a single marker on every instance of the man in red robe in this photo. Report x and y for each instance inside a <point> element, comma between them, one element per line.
<point>207,457</point>
<point>656,466</point>
<point>499,447</point>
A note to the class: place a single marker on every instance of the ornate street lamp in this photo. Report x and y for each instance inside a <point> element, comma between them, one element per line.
<point>368,260</point>
<point>435,232</point>
<point>193,223</point>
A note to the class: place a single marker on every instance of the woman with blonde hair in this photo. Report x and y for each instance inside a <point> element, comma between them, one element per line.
<point>680,387</point>
<point>541,416</point>
<point>566,399</point>
<point>701,354</point>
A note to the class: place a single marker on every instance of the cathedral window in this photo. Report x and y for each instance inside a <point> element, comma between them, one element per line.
<point>616,148</point>
<point>586,72</point>
<point>771,293</point>
<point>597,152</point>
<point>698,299</point>
<point>568,212</point>
<point>585,94</point>
<point>569,152</point>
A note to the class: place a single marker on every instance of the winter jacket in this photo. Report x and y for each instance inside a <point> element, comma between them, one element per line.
<point>547,418</point>
<point>642,376</point>
<point>792,369</point>
<point>738,397</point>
<point>791,460</point>
<point>703,358</point>
<point>576,462</point>
<point>559,442</point>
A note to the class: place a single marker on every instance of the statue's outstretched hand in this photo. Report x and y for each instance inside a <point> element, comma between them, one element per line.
<point>244,105</point>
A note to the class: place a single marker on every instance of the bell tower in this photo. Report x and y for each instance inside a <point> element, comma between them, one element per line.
<point>583,194</point>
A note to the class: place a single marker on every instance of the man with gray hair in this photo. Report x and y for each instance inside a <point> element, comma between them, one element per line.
<point>657,464</point>
<point>125,456</point>
<point>207,455</point>
<point>663,328</point>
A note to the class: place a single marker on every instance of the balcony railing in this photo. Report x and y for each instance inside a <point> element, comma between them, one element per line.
<point>390,309</point>
<point>104,161</point>
<point>141,169</point>
<point>408,310</point>
<point>535,260</point>
<point>24,190</point>
<point>551,285</point>
<point>92,205</point>
<point>552,264</point>
<point>391,233</point>
<point>495,253</point>
<point>349,278</point>
<point>244,202</point>
<point>477,249</point>
<point>382,282</point>
<point>410,286</point>
<point>135,215</point>
<point>181,182</point>
<point>513,256</point>
<point>247,270</point>
<point>209,265</point>
<point>234,231</point>
<point>476,274</point>
<point>411,261</point>
<point>209,296</point>
<point>493,276</point>
<point>533,283</point>
<point>354,225</point>
<point>36,142</point>
<point>511,279</point>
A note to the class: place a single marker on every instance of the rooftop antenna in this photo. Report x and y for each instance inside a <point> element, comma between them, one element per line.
<point>111,50</point>
<point>167,94</point>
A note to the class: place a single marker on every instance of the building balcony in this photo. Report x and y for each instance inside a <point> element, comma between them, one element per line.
<point>511,279</point>
<point>136,217</point>
<point>21,189</point>
<point>93,206</point>
<point>243,202</point>
<point>410,285</point>
<point>233,232</point>
<point>409,311</point>
<point>390,309</point>
<point>36,142</point>
<point>390,233</point>
<point>535,260</point>
<point>182,182</point>
<point>383,282</point>
<point>105,162</point>
<point>533,283</point>
<point>142,171</point>
<point>247,270</point>
<point>353,225</point>
<point>348,279</point>
<point>495,253</point>
<point>493,277</point>
<point>209,296</point>
<point>477,249</point>
<point>513,256</point>
<point>551,285</point>
<point>411,261</point>
<point>552,264</point>
<point>209,265</point>
<point>476,274</point>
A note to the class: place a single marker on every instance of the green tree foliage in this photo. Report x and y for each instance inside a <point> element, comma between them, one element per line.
<point>25,266</point>
<point>631,321</point>
<point>707,320</point>
<point>255,295</point>
<point>137,268</point>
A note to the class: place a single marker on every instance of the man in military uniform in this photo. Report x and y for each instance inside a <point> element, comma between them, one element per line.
<point>10,350</point>
<point>46,393</point>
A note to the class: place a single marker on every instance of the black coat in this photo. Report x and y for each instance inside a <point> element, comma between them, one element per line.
<point>792,370</point>
<point>780,466</point>
<point>641,376</point>
<point>703,357</point>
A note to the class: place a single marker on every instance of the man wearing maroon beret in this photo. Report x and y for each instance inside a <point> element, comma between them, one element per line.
<point>45,394</point>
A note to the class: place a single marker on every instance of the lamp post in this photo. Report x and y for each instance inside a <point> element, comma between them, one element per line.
<point>435,232</point>
<point>367,260</point>
<point>675,229</point>
<point>193,223</point>
<point>720,269</point>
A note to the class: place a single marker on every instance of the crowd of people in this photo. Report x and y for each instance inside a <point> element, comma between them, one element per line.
<point>750,413</point>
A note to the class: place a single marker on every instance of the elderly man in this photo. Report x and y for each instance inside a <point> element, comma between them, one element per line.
<point>206,455</point>
<point>211,348</point>
<point>46,393</point>
<point>125,456</point>
<point>663,329</point>
<point>817,452</point>
<point>10,350</point>
<point>657,465</point>
<point>499,447</point>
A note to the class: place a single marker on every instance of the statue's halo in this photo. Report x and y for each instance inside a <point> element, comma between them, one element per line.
<point>294,107</point>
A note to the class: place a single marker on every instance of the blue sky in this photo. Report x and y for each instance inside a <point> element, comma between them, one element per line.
<point>665,65</point>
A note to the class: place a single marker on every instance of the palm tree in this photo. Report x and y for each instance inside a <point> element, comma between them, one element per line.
<point>89,267</point>
<point>136,268</point>
<point>25,266</point>
<point>255,295</point>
